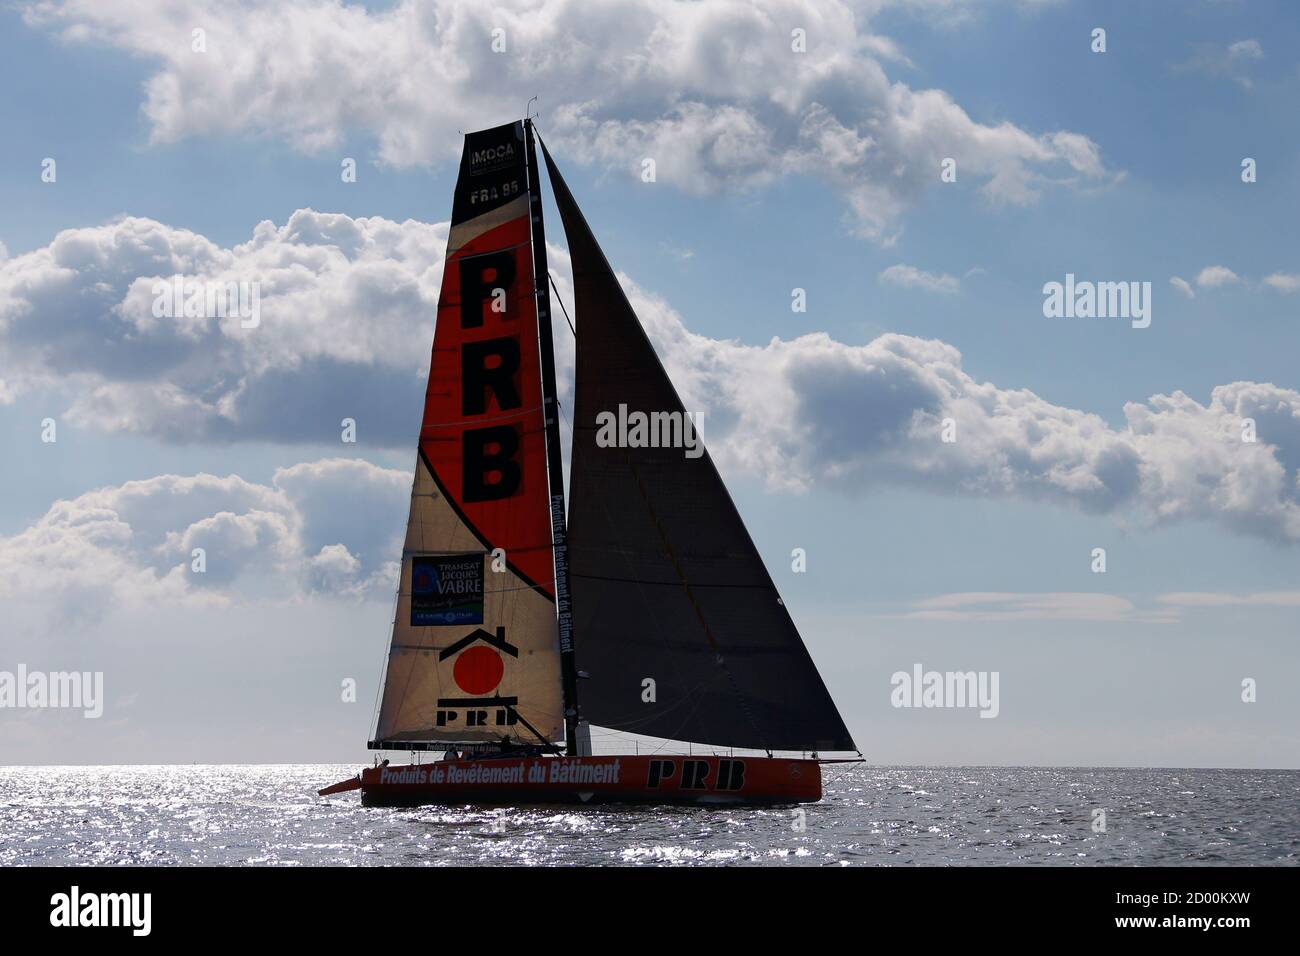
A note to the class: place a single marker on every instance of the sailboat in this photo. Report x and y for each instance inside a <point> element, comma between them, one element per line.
<point>648,579</point>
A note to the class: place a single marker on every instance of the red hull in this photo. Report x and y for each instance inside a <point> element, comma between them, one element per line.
<point>603,779</point>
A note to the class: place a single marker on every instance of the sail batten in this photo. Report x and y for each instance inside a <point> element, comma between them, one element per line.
<point>678,623</point>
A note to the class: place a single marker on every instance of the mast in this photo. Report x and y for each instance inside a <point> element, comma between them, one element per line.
<point>554,456</point>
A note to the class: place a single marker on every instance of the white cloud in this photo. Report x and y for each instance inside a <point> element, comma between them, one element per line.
<point>342,300</point>
<point>912,277</point>
<point>998,606</point>
<point>813,412</point>
<point>1213,276</point>
<point>348,314</point>
<point>1215,599</point>
<point>954,13</point>
<point>334,570</point>
<point>133,545</point>
<point>1231,62</point>
<point>713,92</point>
<point>1284,282</point>
<point>1046,606</point>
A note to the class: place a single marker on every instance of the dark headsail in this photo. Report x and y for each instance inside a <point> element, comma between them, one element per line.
<point>667,583</point>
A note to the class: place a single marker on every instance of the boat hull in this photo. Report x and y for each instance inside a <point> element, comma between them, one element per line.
<point>605,779</point>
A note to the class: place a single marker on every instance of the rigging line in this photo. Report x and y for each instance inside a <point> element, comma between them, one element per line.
<point>697,700</point>
<point>833,777</point>
<point>568,420</point>
<point>560,300</point>
<point>549,744</point>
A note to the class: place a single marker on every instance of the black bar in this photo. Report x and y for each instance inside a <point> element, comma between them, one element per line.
<point>330,906</point>
<point>554,458</point>
<point>477,701</point>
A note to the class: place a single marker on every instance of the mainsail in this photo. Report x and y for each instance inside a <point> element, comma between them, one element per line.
<point>667,584</point>
<point>475,650</point>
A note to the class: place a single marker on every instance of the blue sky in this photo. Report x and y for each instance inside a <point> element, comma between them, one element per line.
<point>713,248</point>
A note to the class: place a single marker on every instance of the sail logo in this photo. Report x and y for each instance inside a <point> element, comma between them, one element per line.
<point>495,193</point>
<point>955,689</point>
<point>446,590</point>
<point>1100,300</point>
<point>489,371</point>
<point>82,690</point>
<point>74,908</point>
<point>478,668</point>
<point>624,429</point>
<point>488,158</point>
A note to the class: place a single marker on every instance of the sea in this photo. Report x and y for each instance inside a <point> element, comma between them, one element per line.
<point>268,815</point>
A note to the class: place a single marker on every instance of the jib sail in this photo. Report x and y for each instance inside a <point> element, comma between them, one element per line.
<point>667,584</point>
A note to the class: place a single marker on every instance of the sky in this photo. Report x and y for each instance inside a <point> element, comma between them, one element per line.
<point>219,156</point>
